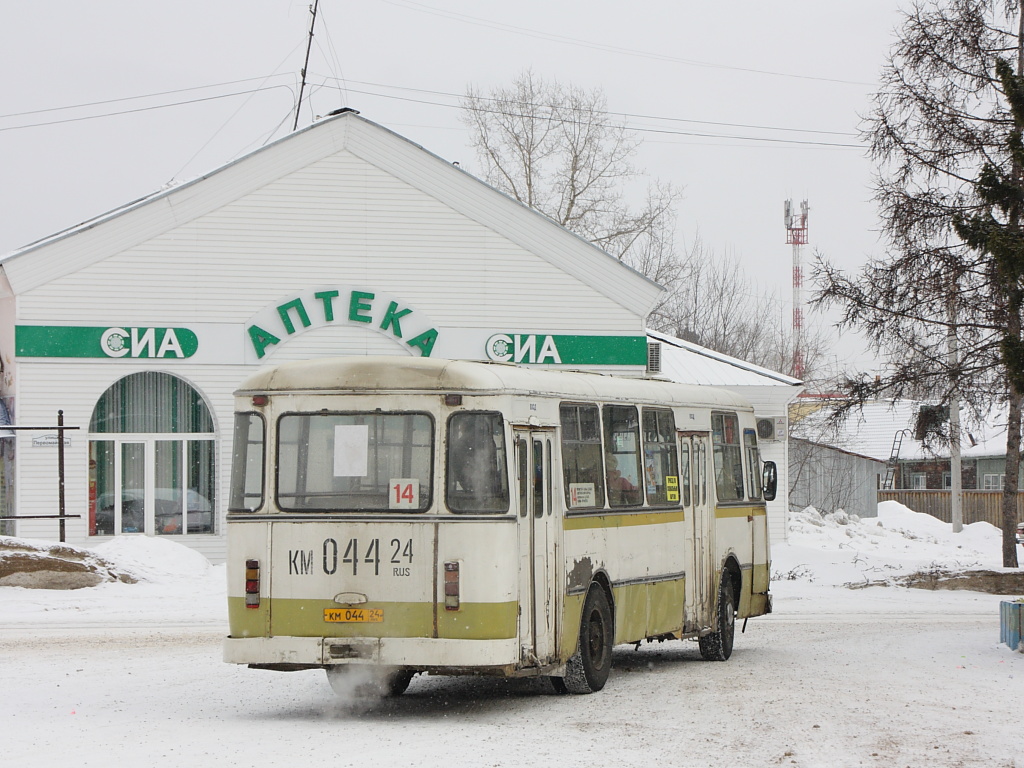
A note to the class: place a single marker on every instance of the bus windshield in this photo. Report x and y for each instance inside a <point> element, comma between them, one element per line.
<point>349,462</point>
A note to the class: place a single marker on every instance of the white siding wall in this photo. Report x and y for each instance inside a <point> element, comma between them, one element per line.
<point>340,221</point>
<point>778,510</point>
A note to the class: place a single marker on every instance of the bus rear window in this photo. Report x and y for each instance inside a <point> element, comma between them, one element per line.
<point>247,463</point>
<point>355,462</point>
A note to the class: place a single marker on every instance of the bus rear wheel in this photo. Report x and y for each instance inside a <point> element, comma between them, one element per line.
<point>588,669</point>
<point>717,646</point>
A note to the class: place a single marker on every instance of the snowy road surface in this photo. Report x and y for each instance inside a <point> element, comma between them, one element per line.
<point>130,675</point>
<point>934,691</point>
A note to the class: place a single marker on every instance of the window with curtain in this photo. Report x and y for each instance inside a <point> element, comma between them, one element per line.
<point>152,462</point>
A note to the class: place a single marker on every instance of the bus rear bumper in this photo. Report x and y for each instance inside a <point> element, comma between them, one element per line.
<point>298,652</point>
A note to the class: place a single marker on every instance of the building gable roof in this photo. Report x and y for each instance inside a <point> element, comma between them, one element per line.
<point>685,361</point>
<point>136,222</point>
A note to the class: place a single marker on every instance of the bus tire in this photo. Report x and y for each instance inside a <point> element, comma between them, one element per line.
<point>587,670</point>
<point>717,646</point>
<point>368,682</point>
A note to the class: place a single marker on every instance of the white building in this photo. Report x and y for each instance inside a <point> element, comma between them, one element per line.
<point>339,239</point>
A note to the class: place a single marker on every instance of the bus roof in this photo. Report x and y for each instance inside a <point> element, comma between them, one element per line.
<point>363,374</point>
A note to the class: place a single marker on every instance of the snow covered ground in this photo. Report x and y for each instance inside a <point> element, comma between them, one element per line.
<point>130,675</point>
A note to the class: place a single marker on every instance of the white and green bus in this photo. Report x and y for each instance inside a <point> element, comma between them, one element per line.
<point>412,515</point>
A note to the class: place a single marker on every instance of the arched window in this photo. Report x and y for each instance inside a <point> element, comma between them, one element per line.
<point>152,459</point>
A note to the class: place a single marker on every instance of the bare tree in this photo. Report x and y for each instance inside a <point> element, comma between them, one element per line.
<point>718,306</point>
<point>556,149</point>
<point>945,131</point>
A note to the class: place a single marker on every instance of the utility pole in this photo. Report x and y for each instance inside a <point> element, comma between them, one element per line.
<point>309,46</point>
<point>956,486</point>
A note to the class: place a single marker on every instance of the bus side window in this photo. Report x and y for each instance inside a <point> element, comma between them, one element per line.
<point>661,475</point>
<point>753,463</point>
<point>622,456</point>
<point>477,476</point>
<point>583,476</point>
<point>728,454</point>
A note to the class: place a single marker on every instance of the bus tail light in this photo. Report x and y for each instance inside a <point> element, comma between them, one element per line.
<point>252,583</point>
<point>451,585</point>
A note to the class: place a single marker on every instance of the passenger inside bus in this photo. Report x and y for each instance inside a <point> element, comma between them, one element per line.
<point>621,491</point>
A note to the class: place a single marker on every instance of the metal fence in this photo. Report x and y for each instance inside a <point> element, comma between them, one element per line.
<point>978,505</point>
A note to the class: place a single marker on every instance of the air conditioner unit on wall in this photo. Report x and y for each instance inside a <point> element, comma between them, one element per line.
<point>771,429</point>
<point>654,357</point>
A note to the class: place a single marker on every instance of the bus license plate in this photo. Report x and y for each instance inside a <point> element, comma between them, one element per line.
<point>354,615</point>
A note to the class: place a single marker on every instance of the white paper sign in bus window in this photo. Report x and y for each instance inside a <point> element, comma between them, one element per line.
<point>404,493</point>
<point>582,495</point>
<point>351,450</point>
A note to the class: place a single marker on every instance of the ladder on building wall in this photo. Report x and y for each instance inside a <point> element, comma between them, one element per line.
<point>894,458</point>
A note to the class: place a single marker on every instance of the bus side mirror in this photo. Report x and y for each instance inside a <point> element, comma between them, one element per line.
<point>769,480</point>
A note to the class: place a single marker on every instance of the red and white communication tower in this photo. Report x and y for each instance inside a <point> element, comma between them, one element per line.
<point>796,235</point>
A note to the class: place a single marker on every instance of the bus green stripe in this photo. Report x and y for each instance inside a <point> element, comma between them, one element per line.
<point>726,512</point>
<point>621,519</point>
<point>305,618</point>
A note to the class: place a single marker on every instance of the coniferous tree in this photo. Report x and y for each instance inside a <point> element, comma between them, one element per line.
<point>945,130</point>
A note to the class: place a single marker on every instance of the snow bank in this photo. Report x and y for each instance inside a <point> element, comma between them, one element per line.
<point>827,554</point>
<point>839,549</point>
<point>51,565</point>
<point>152,559</point>
<point>175,585</point>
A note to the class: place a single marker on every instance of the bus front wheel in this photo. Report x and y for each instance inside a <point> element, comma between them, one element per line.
<point>717,646</point>
<point>588,669</point>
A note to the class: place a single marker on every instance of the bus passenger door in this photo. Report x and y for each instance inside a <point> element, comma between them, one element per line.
<point>700,531</point>
<point>536,546</point>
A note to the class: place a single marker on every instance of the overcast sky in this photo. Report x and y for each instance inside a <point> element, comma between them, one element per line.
<point>741,104</point>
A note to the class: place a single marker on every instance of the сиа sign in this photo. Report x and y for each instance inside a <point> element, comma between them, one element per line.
<point>114,342</point>
<point>523,348</point>
<point>566,349</point>
<point>147,342</point>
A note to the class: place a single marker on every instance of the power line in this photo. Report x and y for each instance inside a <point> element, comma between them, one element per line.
<point>234,115</point>
<point>145,109</point>
<point>615,114</point>
<point>346,87</point>
<point>477,21</point>
<point>665,131</point>
<point>136,98</point>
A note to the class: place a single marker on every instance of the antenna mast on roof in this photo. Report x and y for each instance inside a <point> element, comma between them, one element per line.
<point>796,235</point>
<point>309,46</point>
